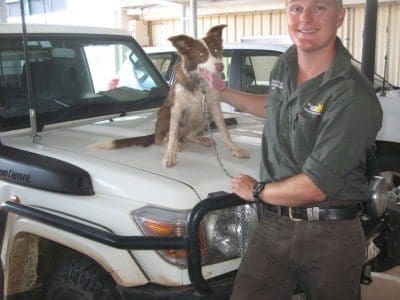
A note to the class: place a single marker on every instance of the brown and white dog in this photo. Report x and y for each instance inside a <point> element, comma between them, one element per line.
<point>181,117</point>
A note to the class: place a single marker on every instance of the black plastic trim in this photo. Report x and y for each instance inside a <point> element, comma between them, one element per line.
<point>43,172</point>
<point>221,286</point>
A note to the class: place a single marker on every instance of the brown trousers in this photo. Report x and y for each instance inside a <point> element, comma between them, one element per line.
<point>325,258</point>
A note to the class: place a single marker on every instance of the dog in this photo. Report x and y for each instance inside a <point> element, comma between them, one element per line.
<point>181,117</point>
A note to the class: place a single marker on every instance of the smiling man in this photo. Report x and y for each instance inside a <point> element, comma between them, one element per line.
<point>321,116</point>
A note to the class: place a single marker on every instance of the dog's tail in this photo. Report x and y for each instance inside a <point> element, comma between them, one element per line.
<point>144,141</point>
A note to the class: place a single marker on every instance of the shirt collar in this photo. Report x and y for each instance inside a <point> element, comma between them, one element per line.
<point>340,67</point>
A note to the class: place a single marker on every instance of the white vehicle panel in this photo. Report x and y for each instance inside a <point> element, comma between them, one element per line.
<point>391,117</point>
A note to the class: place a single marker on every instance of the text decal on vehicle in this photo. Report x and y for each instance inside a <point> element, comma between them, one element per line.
<point>18,176</point>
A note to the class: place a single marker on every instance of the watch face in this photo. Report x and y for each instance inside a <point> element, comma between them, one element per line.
<point>258,187</point>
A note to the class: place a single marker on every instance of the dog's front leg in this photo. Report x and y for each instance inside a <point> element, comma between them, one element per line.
<point>169,159</point>
<point>216,114</point>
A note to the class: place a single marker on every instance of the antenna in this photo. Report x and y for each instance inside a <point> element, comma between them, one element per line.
<point>383,90</point>
<point>32,111</point>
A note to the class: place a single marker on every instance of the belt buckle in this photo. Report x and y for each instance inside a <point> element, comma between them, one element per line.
<point>293,218</point>
<point>313,213</point>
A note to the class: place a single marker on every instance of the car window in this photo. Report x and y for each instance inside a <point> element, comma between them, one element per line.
<point>164,62</point>
<point>226,60</point>
<point>74,77</point>
<point>255,73</point>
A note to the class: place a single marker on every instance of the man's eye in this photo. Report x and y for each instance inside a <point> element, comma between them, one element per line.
<point>296,10</point>
<point>320,8</point>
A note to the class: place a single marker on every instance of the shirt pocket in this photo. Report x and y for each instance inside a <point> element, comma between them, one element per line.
<point>307,123</point>
<point>304,135</point>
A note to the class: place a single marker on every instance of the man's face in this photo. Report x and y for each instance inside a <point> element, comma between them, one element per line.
<point>312,24</point>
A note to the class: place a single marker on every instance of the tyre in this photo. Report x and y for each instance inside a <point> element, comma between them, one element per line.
<point>79,278</point>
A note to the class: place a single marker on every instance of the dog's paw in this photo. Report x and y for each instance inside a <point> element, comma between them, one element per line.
<point>169,160</point>
<point>240,153</point>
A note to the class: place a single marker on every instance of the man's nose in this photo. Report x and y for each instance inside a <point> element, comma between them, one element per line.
<point>306,15</point>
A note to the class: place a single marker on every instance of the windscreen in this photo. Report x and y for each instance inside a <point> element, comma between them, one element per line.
<point>75,77</point>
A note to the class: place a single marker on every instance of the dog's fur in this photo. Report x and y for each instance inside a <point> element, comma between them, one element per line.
<point>181,117</point>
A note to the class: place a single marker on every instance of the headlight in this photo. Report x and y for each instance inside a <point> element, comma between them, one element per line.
<point>228,231</point>
<point>223,234</point>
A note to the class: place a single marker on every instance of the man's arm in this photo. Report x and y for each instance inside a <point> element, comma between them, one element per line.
<point>245,102</point>
<point>295,191</point>
<point>250,103</point>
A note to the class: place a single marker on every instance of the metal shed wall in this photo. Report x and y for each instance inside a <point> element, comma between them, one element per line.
<point>260,23</point>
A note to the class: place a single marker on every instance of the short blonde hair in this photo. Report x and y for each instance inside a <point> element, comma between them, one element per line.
<point>338,2</point>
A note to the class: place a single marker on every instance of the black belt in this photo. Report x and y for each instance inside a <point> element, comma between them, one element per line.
<point>333,213</point>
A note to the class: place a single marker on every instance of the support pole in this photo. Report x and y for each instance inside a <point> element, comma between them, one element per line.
<point>193,8</point>
<point>183,18</point>
<point>369,39</point>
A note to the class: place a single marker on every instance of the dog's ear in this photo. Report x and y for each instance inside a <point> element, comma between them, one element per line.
<point>182,43</point>
<point>216,31</point>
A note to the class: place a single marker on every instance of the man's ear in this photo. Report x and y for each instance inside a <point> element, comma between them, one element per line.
<point>182,43</point>
<point>216,31</point>
<point>340,17</point>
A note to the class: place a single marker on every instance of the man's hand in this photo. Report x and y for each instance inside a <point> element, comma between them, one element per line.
<point>215,80</point>
<point>242,185</point>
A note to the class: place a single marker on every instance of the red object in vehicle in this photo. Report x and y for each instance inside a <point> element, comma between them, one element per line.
<point>113,83</point>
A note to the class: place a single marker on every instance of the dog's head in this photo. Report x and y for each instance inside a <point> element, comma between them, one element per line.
<point>203,55</point>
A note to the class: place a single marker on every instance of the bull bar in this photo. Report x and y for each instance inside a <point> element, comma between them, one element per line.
<point>190,242</point>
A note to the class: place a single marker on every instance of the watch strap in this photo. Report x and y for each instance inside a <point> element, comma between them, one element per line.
<point>258,188</point>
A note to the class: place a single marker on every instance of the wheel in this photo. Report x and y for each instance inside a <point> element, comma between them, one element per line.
<point>79,278</point>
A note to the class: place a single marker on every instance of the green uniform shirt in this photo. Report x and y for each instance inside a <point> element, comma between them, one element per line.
<point>321,128</point>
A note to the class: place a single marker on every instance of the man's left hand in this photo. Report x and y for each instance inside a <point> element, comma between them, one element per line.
<point>242,185</point>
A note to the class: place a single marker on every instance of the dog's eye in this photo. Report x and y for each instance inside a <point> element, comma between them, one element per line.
<point>216,50</point>
<point>201,54</point>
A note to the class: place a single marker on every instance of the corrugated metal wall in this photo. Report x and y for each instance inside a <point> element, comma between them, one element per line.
<point>274,22</point>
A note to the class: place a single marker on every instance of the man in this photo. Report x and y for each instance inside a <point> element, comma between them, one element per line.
<point>321,116</point>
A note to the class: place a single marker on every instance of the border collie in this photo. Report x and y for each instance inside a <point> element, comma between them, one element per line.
<point>181,118</point>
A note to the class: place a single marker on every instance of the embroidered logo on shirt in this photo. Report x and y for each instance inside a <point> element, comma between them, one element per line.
<point>314,109</point>
<point>276,84</point>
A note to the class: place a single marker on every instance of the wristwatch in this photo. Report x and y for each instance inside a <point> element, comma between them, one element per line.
<point>257,189</point>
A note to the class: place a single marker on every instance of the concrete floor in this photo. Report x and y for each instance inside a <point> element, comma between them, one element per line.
<point>384,286</point>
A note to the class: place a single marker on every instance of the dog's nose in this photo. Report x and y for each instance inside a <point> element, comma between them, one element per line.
<point>219,67</point>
